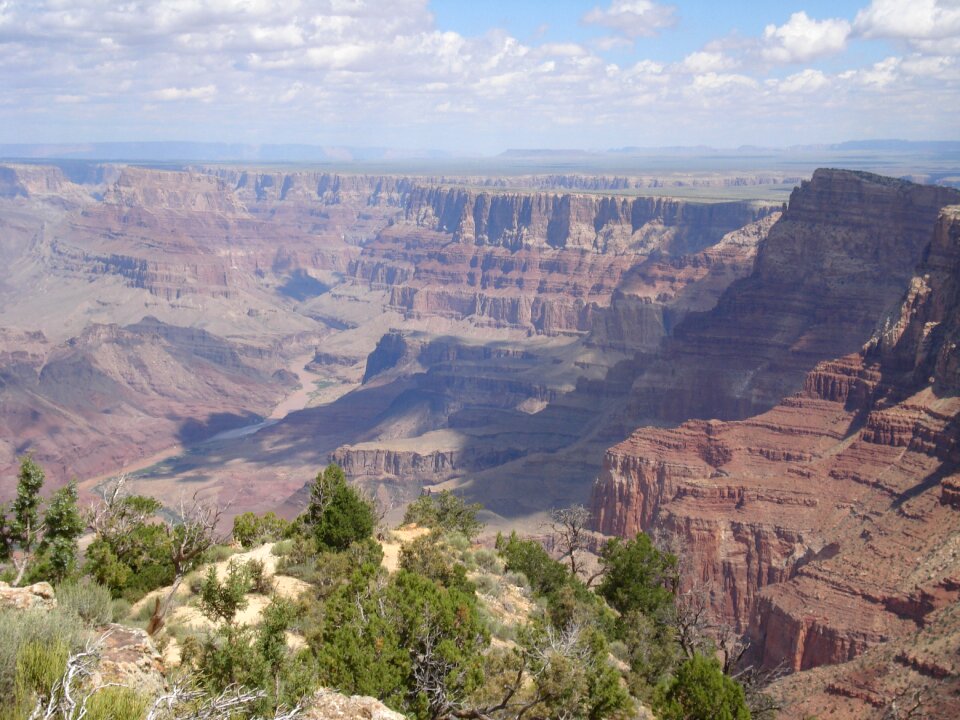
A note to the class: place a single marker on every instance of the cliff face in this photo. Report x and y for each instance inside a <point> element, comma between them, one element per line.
<point>544,263</point>
<point>827,525</point>
<point>598,224</point>
<point>836,261</point>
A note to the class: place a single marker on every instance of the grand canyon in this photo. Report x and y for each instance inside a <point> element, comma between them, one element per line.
<point>772,385</point>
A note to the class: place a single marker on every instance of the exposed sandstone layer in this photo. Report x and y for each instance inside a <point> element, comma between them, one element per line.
<point>917,673</point>
<point>825,526</point>
<point>543,263</point>
<point>838,259</point>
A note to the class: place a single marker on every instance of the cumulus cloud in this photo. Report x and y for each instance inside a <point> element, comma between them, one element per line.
<point>633,18</point>
<point>929,26</point>
<point>382,72</point>
<point>804,82</point>
<point>195,93</point>
<point>707,61</point>
<point>802,38</point>
<point>916,19</point>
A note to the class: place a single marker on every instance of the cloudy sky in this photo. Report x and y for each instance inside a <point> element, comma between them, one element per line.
<point>478,77</point>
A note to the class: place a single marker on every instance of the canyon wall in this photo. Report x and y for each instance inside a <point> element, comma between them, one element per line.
<point>827,525</point>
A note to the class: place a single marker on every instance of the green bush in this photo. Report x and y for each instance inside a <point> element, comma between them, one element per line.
<point>45,628</point>
<point>223,600</point>
<point>444,511</point>
<point>545,575</point>
<point>259,580</point>
<point>219,553</point>
<point>120,610</point>
<point>251,530</point>
<point>39,664</point>
<point>91,601</point>
<point>638,576</point>
<point>282,548</point>
<point>700,691</point>
<point>116,703</point>
<point>488,561</point>
<point>337,514</point>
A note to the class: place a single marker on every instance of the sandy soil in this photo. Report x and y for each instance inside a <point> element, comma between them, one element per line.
<point>391,550</point>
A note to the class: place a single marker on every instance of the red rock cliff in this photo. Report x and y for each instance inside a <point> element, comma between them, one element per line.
<point>828,524</point>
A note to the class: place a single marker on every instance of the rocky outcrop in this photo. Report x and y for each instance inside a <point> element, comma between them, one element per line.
<point>837,260</point>
<point>129,658</point>
<point>548,264</point>
<point>824,526</point>
<point>598,224</point>
<point>330,705</point>
<point>39,596</point>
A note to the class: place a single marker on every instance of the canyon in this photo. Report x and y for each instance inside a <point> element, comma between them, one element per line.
<point>774,386</point>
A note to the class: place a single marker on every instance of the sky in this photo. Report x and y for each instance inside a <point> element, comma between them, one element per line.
<point>473,77</point>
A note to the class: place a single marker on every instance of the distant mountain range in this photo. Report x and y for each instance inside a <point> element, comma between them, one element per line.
<point>180,152</point>
<point>209,152</point>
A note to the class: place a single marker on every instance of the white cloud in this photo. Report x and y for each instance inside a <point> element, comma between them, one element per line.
<point>803,82</point>
<point>707,61</point>
<point>802,38</point>
<point>911,20</point>
<point>195,93</point>
<point>633,18</point>
<point>713,82</point>
<point>879,76</point>
<point>381,72</point>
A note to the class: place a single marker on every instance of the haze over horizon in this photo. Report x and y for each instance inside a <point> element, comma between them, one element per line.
<point>441,75</point>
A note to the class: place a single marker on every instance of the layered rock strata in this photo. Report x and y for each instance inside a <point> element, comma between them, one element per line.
<point>827,525</point>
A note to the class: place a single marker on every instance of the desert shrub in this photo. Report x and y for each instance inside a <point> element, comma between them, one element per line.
<point>337,515</point>
<point>517,579</point>
<point>39,664</point>
<point>116,703</point>
<point>488,561</point>
<point>19,628</point>
<point>487,585</point>
<point>283,547</point>
<point>89,600</point>
<point>120,610</point>
<point>444,511</point>
<point>259,580</point>
<point>222,600</point>
<point>143,613</point>
<point>432,557</point>
<point>638,576</point>
<point>251,530</point>
<point>219,553</point>
<point>700,691</point>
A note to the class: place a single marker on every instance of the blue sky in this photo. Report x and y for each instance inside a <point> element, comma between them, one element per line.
<point>479,77</point>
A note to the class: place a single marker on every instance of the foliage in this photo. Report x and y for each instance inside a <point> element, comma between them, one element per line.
<point>337,514</point>
<point>90,601</point>
<point>116,703</point>
<point>638,576</point>
<point>130,554</point>
<point>257,574</point>
<point>444,511</point>
<point>552,673</point>
<point>62,527</point>
<point>412,643</point>
<point>546,575</point>
<point>39,666</point>
<point>700,691</point>
<point>222,600</point>
<point>47,548</point>
<point>651,652</point>
<point>43,628</point>
<point>428,556</point>
<point>251,530</point>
